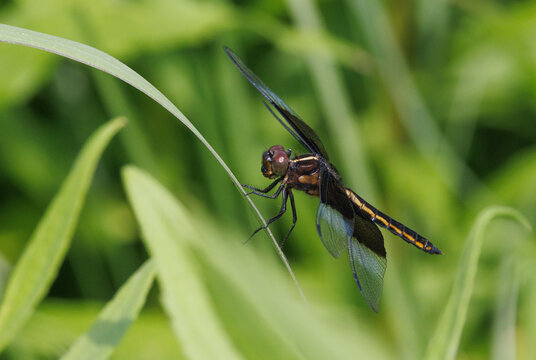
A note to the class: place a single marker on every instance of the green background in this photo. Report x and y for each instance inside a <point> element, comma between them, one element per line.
<point>427,108</point>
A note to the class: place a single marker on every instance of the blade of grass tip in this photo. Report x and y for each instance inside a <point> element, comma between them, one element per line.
<point>166,235</point>
<point>34,272</point>
<point>102,61</point>
<point>504,334</point>
<point>114,320</point>
<point>445,340</point>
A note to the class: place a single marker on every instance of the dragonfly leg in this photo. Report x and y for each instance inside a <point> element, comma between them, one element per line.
<point>294,217</point>
<point>261,192</point>
<point>275,195</point>
<point>281,212</point>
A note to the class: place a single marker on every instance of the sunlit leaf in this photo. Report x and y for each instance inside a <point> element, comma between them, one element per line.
<point>164,226</point>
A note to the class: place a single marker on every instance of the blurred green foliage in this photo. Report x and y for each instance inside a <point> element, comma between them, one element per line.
<point>426,107</point>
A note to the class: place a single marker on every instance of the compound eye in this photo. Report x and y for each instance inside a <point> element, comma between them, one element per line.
<point>266,167</point>
<point>275,149</point>
<point>280,162</point>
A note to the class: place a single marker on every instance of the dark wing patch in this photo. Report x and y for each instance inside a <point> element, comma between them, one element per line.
<point>369,235</point>
<point>302,132</point>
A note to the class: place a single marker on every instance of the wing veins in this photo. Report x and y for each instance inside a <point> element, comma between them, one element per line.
<point>302,132</point>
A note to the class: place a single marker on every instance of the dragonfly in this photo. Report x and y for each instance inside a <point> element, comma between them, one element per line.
<point>345,222</point>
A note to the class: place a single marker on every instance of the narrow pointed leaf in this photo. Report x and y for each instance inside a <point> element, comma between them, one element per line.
<point>37,267</point>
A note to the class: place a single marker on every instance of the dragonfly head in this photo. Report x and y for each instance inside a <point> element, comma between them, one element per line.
<point>275,161</point>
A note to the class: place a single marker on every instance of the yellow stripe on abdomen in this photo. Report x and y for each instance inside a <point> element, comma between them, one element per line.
<point>390,224</point>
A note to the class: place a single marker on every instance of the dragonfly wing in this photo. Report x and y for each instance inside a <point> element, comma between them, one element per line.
<point>301,131</point>
<point>368,265</point>
<point>334,229</point>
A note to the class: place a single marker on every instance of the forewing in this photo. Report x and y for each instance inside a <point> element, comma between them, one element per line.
<point>334,229</point>
<point>302,132</point>
<point>368,268</point>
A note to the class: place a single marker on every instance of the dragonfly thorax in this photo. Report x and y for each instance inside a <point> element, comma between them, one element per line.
<point>275,161</point>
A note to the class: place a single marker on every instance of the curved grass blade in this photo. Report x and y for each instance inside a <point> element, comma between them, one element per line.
<point>34,272</point>
<point>446,338</point>
<point>166,233</point>
<point>102,61</point>
<point>115,319</point>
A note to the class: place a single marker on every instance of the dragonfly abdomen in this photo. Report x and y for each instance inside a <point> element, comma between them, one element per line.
<point>391,224</point>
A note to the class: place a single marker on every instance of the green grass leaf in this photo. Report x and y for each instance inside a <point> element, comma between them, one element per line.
<point>164,226</point>
<point>444,343</point>
<point>38,265</point>
<point>116,317</point>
